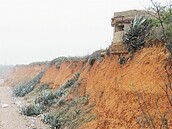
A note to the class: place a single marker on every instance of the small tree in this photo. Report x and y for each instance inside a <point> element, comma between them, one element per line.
<point>163,19</point>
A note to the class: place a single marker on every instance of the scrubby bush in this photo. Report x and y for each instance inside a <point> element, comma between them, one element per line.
<point>66,112</point>
<point>107,51</point>
<point>52,120</point>
<point>95,56</point>
<point>22,90</point>
<point>38,63</point>
<point>17,90</point>
<point>46,98</point>
<point>32,110</point>
<point>67,86</point>
<point>43,87</point>
<point>121,60</point>
<point>58,61</point>
<point>163,19</point>
<point>43,101</point>
<point>91,61</point>
<point>135,36</point>
<point>71,114</point>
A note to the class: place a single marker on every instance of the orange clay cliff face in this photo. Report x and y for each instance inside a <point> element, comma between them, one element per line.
<point>23,73</point>
<point>57,76</point>
<point>111,88</point>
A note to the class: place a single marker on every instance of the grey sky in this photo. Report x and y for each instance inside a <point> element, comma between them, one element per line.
<point>39,30</point>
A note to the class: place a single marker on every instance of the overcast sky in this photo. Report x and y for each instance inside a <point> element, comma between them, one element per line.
<point>39,30</point>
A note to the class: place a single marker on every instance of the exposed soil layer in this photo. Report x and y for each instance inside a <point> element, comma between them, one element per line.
<point>22,74</point>
<point>57,76</point>
<point>112,88</point>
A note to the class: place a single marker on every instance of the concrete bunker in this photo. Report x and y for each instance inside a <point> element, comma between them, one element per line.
<point>121,23</point>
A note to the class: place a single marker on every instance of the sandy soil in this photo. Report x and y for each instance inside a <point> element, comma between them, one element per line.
<point>10,117</point>
<point>110,88</point>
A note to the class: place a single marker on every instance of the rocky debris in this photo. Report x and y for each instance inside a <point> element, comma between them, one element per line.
<point>35,123</point>
<point>4,105</point>
<point>8,88</point>
<point>10,117</point>
<point>18,103</point>
<point>1,123</point>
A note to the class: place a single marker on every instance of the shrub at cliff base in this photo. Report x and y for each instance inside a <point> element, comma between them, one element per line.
<point>22,90</point>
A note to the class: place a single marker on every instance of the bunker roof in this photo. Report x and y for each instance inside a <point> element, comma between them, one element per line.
<point>128,16</point>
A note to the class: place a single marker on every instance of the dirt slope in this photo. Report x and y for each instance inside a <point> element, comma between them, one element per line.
<point>22,73</point>
<point>56,76</point>
<point>109,87</point>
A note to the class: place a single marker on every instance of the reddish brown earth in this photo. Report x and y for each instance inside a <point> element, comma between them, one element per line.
<point>110,87</point>
<point>56,77</point>
<point>22,73</point>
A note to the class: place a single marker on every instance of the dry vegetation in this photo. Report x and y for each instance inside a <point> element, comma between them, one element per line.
<point>101,96</point>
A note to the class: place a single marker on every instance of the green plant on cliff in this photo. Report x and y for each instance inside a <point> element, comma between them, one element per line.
<point>135,36</point>
<point>163,19</point>
<point>52,120</point>
<point>59,109</point>
<point>22,90</point>
<point>42,87</point>
<point>72,113</point>
<point>58,61</point>
<point>32,110</point>
<point>95,56</point>
<point>48,98</point>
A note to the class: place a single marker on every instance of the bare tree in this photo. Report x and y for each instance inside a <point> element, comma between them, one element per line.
<point>163,15</point>
<point>163,115</point>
